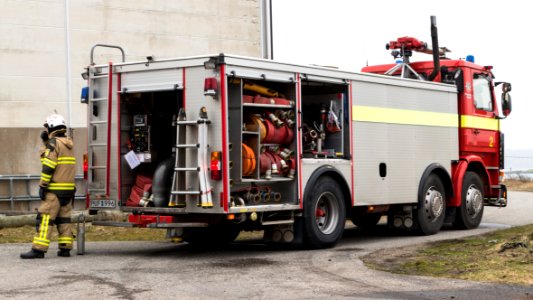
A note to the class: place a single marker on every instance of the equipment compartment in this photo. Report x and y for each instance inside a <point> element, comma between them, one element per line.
<point>263,137</point>
<point>324,120</point>
<point>147,132</point>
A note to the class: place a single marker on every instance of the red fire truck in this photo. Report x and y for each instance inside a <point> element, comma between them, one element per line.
<point>209,146</point>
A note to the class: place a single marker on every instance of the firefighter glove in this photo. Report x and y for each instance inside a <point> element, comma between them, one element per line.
<point>44,136</point>
<point>42,193</point>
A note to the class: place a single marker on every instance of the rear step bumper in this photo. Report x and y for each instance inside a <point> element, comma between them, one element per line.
<point>149,225</point>
<point>154,210</point>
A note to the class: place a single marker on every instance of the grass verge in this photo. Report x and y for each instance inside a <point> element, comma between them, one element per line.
<point>102,234</point>
<point>504,256</point>
<point>519,185</point>
<point>92,233</point>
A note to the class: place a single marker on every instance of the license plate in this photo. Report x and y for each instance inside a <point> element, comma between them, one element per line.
<point>103,203</point>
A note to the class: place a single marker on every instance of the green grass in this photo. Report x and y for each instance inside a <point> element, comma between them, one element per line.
<point>103,233</point>
<point>479,258</point>
<point>92,233</point>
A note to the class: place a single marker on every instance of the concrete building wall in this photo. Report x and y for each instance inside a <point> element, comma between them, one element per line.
<point>33,55</point>
<point>32,49</point>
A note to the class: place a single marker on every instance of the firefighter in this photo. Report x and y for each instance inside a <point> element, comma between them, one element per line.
<point>56,189</point>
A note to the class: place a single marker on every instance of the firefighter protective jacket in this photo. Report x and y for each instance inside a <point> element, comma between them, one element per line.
<point>58,165</point>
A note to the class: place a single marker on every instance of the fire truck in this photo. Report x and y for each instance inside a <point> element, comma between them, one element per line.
<point>209,146</point>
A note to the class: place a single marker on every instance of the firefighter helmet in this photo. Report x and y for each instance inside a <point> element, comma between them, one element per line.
<point>54,120</point>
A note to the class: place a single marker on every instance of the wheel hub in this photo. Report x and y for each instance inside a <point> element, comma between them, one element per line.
<point>326,213</point>
<point>320,213</point>
<point>433,204</point>
<point>474,201</point>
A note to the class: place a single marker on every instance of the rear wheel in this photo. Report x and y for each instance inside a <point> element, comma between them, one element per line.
<point>324,213</point>
<point>470,212</point>
<point>431,209</point>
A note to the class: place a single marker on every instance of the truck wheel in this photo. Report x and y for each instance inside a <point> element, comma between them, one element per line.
<point>218,234</point>
<point>431,206</point>
<point>366,220</point>
<point>324,214</point>
<point>470,212</point>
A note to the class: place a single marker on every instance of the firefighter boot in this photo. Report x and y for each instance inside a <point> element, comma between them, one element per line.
<point>32,254</point>
<point>63,252</point>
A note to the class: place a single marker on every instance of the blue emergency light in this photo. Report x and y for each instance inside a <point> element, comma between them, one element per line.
<point>85,95</point>
<point>470,58</point>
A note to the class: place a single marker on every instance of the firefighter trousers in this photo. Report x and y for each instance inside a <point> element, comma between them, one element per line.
<point>51,213</point>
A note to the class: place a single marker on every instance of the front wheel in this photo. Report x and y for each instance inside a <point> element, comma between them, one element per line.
<point>470,212</point>
<point>324,214</point>
<point>431,206</point>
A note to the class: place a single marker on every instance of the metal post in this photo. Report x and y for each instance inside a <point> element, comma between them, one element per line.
<point>11,194</point>
<point>68,64</point>
<point>266,30</point>
<point>80,237</point>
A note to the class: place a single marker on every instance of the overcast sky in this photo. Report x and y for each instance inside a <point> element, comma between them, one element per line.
<point>348,34</point>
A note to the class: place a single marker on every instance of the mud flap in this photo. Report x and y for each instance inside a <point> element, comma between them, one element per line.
<point>451,212</point>
<point>298,230</point>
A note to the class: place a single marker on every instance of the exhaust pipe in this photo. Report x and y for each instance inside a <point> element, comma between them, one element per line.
<point>435,47</point>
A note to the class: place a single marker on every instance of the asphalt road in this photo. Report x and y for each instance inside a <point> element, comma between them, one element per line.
<point>248,270</point>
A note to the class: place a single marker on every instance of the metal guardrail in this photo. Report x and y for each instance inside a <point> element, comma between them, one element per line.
<point>11,197</point>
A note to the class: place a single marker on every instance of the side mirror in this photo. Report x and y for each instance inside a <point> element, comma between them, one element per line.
<point>506,98</point>
<point>506,104</point>
<point>506,87</point>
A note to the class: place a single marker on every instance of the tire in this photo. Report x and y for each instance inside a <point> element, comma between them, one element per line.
<point>431,210</point>
<point>470,213</point>
<point>366,220</point>
<point>215,235</point>
<point>324,214</point>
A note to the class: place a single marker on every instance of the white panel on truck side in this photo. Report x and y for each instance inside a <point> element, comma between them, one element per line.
<point>152,80</point>
<point>404,129</point>
<point>194,101</point>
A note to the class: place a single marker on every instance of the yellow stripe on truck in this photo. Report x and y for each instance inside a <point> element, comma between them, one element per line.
<point>403,116</point>
<point>480,123</point>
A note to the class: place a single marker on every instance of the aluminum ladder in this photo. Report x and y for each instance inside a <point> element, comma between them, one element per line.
<point>93,74</point>
<point>179,190</point>
<point>98,124</point>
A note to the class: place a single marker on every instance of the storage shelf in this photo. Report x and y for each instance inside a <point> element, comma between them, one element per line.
<point>264,207</point>
<point>250,132</point>
<point>251,136</point>
<point>267,105</point>
<point>273,179</point>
